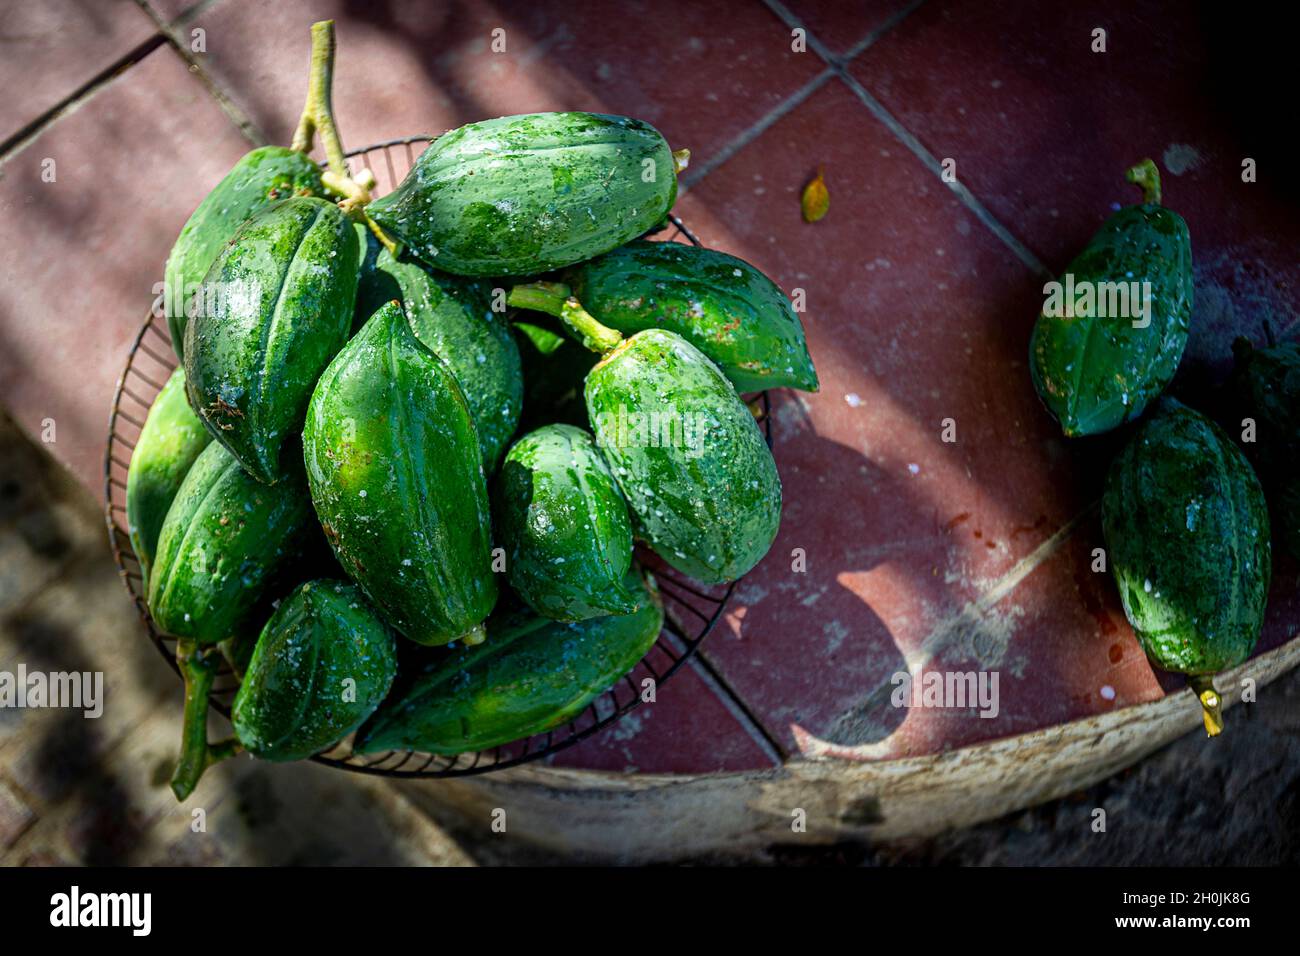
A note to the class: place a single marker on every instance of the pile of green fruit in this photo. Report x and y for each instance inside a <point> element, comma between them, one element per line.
<point>333,466</point>
<point>1184,516</point>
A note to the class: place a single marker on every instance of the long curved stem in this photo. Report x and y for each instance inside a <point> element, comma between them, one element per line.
<point>554,298</point>
<point>199,668</point>
<point>1146,177</point>
<point>318,117</point>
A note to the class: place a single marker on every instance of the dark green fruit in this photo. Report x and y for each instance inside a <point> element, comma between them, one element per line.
<point>1266,386</point>
<point>1188,541</point>
<point>170,440</point>
<point>261,178</point>
<point>687,454</point>
<point>397,480</point>
<point>322,665</point>
<point>522,195</point>
<point>225,538</point>
<point>564,526</point>
<point>1094,371</point>
<point>374,286</point>
<point>455,319</point>
<point>278,306</point>
<point>554,367</point>
<point>530,676</point>
<point>722,305</point>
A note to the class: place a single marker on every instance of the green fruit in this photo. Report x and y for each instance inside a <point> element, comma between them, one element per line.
<point>687,455</point>
<point>260,178</point>
<point>1188,541</point>
<point>564,526</point>
<point>278,306</point>
<point>397,480</point>
<point>225,538</point>
<point>170,440</point>
<point>322,665</point>
<point>522,195</point>
<point>1266,386</point>
<point>722,305</point>
<point>530,676</point>
<point>1094,371</point>
<point>454,318</point>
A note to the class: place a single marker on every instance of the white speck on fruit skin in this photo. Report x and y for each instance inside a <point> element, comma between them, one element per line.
<point>914,468</point>
<point>1108,692</point>
<point>362,493</point>
<point>853,399</point>
<point>1146,585</point>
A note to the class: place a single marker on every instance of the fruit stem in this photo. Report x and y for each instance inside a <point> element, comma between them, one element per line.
<point>1211,703</point>
<point>554,298</point>
<point>198,667</point>
<point>318,116</point>
<point>1146,177</point>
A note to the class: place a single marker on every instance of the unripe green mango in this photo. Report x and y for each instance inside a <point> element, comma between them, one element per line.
<point>260,178</point>
<point>522,195</point>
<point>722,305</point>
<point>687,454</point>
<point>1095,372</point>
<point>170,440</point>
<point>278,305</point>
<point>565,526</point>
<point>322,664</point>
<point>531,675</point>
<point>397,480</point>
<point>226,537</point>
<point>1187,539</point>
<point>454,317</point>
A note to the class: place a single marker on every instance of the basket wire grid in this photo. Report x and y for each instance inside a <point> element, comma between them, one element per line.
<point>691,610</point>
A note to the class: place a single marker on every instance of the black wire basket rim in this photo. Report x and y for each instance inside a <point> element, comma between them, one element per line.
<point>673,641</point>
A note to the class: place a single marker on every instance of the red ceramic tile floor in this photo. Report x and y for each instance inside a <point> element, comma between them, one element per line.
<point>50,49</point>
<point>79,256</point>
<point>917,316</point>
<point>700,73</point>
<point>688,729</point>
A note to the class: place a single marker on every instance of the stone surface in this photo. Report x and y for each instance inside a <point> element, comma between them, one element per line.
<point>49,50</point>
<point>79,261</point>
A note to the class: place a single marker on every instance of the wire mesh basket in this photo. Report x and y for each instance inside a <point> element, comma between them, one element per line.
<point>691,610</point>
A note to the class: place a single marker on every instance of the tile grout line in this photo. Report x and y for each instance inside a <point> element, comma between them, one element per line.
<point>839,65</point>
<point>735,705</point>
<point>757,129</point>
<point>730,699</point>
<point>242,122</point>
<point>24,137</point>
<point>964,195</point>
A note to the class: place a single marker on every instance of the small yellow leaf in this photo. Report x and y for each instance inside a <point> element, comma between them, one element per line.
<point>816,200</point>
